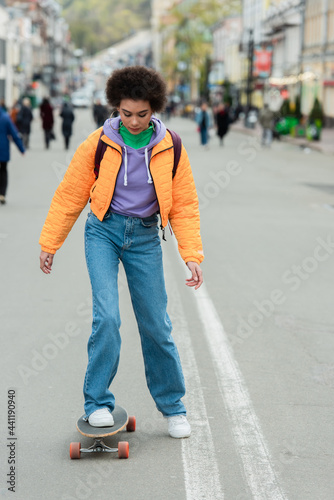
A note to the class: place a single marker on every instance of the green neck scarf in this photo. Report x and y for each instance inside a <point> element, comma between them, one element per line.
<point>136,141</point>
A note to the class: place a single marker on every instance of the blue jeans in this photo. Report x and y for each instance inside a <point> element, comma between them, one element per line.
<point>267,136</point>
<point>136,243</point>
<point>204,136</point>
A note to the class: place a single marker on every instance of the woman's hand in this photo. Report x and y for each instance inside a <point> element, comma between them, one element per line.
<point>46,260</point>
<point>196,275</point>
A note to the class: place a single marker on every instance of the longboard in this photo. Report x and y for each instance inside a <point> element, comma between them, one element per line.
<point>121,421</point>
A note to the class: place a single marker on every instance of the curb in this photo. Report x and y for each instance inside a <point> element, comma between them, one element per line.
<point>302,143</point>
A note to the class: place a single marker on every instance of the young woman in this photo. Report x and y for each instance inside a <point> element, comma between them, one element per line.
<point>134,184</point>
<point>203,121</point>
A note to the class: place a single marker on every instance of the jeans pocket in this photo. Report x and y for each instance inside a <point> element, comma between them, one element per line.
<point>150,221</point>
<point>91,217</point>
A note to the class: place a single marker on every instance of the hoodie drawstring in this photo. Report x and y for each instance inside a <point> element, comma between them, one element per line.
<point>125,166</point>
<point>149,178</point>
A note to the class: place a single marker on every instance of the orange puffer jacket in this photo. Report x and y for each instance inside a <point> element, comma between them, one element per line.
<point>177,197</point>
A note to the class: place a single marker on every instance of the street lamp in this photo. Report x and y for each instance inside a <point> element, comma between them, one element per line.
<point>249,89</point>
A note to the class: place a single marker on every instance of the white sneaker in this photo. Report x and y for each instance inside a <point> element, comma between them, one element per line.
<point>101,418</point>
<point>179,427</point>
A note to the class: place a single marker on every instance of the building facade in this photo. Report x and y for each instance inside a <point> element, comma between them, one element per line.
<point>3,51</point>
<point>226,63</point>
<point>318,57</point>
<point>252,16</point>
<point>159,22</point>
<point>283,31</point>
<point>38,50</point>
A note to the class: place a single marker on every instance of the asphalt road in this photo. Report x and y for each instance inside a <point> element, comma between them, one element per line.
<point>256,341</point>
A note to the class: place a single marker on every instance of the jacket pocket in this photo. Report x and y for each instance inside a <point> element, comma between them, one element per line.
<point>92,189</point>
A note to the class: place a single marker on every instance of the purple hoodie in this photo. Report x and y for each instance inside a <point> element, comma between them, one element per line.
<point>134,193</point>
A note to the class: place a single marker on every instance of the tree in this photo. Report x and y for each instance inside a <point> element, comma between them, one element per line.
<point>298,111</point>
<point>192,39</point>
<point>95,25</point>
<point>285,108</point>
<point>227,96</point>
<point>204,78</point>
<point>317,112</point>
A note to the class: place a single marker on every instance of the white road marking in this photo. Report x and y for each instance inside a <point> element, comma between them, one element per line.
<point>201,471</point>
<point>259,472</point>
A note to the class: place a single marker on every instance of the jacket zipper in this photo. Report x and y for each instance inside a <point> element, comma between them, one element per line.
<point>163,229</point>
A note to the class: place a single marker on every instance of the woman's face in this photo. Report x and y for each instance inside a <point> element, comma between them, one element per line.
<point>135,115</point>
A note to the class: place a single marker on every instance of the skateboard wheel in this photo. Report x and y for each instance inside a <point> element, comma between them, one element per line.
<point>131,425</point>
<point>123,449</point>
<point>75,450</point>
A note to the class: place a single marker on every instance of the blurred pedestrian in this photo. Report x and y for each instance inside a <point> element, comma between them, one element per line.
<point>15,111</point>
<point>266,119</point>
<point>7,129</point>
<point>222,121</point>
<point>168,110</point>
<point>46,113</point>
<point>3,105</point>
<point>135,183</point>
<point>203,121</point>
<point>67,116</point>
<point>100,113</point>
<point>23,121</point>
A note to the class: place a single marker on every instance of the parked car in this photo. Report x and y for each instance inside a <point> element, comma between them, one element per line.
<point>81,99</point>
<point>101,96</point>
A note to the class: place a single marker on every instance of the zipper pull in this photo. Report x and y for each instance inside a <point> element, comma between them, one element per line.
<point>163,232</point>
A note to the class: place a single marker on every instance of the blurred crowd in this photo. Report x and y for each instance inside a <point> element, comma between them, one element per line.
<point>15,125</point>
<point>21,116</point>
<point>211,120</point>
<point>215,119</point>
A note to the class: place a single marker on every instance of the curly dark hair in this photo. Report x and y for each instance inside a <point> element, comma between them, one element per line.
<point>138,83</point>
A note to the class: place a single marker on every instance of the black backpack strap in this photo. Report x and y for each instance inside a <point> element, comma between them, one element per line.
<point>177,143</point>
<point>100,150</point>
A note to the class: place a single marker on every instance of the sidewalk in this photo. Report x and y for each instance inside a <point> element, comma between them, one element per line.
<point>325,145</point>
